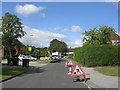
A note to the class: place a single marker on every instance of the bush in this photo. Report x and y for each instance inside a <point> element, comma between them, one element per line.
<point>97,55</point>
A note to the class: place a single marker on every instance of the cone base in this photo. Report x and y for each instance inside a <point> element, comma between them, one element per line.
<point>69,73</point>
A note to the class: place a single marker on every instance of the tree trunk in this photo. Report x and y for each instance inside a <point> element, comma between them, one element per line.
<point>10,52</point>
<point>16,50</point>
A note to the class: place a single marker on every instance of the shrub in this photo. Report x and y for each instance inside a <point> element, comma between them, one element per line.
<point>97,55</point>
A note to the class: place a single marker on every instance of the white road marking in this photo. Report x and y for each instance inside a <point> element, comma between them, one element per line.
<point>89,88</point>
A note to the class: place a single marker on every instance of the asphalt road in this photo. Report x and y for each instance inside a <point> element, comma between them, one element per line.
<point>53,75</point>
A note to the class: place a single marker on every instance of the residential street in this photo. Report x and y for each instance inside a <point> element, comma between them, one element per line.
<point>53,75</point>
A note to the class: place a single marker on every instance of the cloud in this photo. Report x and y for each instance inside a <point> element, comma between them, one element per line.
<point>28,9</point>
<point>76,28</point>
<point>43,15</point>
<point>42,38</point>
<point>38,37</point>
<point>60,29</point>
<point>77,43</point>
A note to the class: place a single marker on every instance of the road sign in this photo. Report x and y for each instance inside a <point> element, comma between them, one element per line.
<point>77,71</point>
<point>70,63</point>
<point>30,49</point>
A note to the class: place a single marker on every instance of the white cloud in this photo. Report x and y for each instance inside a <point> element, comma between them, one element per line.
<point>43,15</point>
<point>77,43</point>
<point>40,37</point>
<point>60,29</point>
<point>64,30</point>
<point>76,28</point>
<point>28,9</point>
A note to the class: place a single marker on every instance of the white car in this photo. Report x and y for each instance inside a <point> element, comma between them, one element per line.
<point>21,57</point>
<point>26,57</point>
<point>55,57</point>
<point>32,58</point>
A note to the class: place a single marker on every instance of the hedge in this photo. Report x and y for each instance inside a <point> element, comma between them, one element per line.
<point>97,55</point>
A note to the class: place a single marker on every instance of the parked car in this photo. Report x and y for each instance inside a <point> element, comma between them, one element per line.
<point>67,57</point>
<point>55,57</point>
<point>32,58</point>
<point>21,57</point>
<point>27,57</point>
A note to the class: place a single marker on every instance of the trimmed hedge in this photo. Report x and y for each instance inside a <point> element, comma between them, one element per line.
<point>97,55</point>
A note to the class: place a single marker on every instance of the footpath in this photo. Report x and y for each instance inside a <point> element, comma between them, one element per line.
<point>98,80</point>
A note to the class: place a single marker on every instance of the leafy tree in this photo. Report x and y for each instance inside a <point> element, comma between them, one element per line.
<point>98,36</point>
<point>44,51</point>
<point>56,45</point>
<point>12,29</point>
<point>17,46</point>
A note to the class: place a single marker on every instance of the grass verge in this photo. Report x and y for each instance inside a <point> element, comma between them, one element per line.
<point>8,72</point>
<point>110,70</point>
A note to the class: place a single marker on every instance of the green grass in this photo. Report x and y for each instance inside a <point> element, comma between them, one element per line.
<point>8,72</point>
<point>110,71</point>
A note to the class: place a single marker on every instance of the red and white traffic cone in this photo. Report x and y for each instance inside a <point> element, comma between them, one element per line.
<point>70,70</point>
<point>66,64</point>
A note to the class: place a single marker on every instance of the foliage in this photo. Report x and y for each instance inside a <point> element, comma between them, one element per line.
<point>37,52</point>
<point>98,36</point>
<point>97,55</point>
<point>59,46</point>
<point>43,52</point>
<point>11,29</point>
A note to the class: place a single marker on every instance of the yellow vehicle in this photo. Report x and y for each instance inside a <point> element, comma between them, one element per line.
<point>45,58</point>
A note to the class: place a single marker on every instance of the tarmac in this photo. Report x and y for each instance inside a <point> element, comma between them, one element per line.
<point>98,80</point>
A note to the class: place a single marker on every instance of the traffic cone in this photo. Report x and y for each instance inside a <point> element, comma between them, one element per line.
<point>70,63</point>
<point>70,70</point>
<point>66,64</point>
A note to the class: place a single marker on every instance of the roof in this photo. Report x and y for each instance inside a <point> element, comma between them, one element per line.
<point>70,50</point>
<point>115,36</point>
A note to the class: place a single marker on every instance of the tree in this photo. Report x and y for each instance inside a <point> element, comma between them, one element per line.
<point>17,46</point>
<point>44,52</point>
<point>98,36</point>
<point>12,29</point>
<point>56,45</point>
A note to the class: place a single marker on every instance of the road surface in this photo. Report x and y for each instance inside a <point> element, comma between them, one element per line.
<point>53,75</point>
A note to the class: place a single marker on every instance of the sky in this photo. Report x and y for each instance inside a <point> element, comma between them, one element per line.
<point>65,21</point>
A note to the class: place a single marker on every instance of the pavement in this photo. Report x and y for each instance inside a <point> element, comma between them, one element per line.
<point>98,80</point>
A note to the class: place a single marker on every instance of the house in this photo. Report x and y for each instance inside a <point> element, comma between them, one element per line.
<point>70,51</point>
<point>115,38</point>
<point>56,53</point>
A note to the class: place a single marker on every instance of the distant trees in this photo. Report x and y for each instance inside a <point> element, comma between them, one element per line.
<point>98,36</point>
<point>59,46</point>
<point>44,51</point>
<point>11,30</point>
